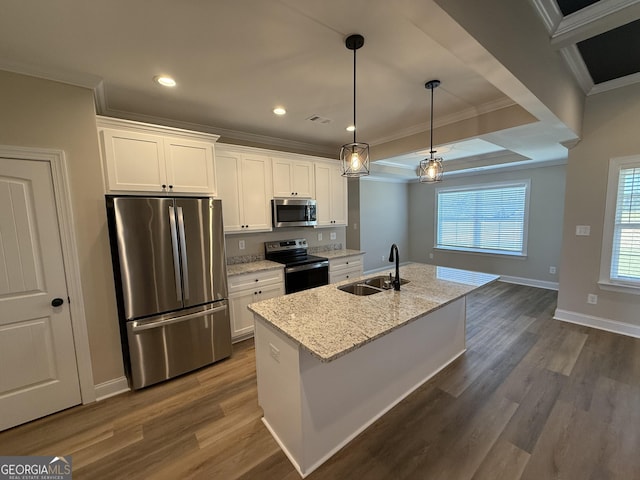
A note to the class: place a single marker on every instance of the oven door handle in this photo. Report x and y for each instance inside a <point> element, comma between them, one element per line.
<point>302,268</point>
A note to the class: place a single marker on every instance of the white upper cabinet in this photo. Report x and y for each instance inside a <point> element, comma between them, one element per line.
<point>331,194</point>
<point>244,187</point>
<point>292,178</point>
<point>140,157</point>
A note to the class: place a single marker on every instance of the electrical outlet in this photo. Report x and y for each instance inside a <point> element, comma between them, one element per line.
<point>355,226</point>
<point>592,299</point>
<point>383,258</point>
<point>431,256</point>
<point>552,270</point>
<point>583,230</point>
<point>320,236</point>
<point>275,353</point>
<point>332,235</point>
<point>241,244</point>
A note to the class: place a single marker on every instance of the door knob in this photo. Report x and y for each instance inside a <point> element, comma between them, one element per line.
<point>56,302</point>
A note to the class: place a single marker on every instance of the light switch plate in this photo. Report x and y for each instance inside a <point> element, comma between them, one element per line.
<point>333,235</point>
<point>320,236</point>
<point>583,230</point>
<point>592,299</point>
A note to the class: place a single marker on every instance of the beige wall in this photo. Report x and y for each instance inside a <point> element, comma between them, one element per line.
<point>384,219</point>
<point>609,130</point>
<point>254,242</point>
<point>545,225</point>
<point>45,114</point>
<point>353,228</point>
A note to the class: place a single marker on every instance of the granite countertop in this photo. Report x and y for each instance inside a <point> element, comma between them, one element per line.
<point>331,254</point>
<point>251,267</point>
<point>330,323</point>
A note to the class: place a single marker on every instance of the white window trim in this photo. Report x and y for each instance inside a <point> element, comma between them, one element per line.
<point>486,186</point>
<point>605,282</point>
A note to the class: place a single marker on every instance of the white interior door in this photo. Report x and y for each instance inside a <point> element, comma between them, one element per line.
<point>38,371</point>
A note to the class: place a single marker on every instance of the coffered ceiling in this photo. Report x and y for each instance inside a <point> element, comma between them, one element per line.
<point>234,61</point>
<point>600,40</point>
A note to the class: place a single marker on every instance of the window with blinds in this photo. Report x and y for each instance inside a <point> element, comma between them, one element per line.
<point>625,252</point>
<point>484,219</point>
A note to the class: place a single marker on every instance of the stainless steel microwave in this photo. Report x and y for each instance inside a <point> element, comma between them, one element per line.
<point>293,212</point>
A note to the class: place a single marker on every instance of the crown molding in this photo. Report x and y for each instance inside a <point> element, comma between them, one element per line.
<point>226,134</point>
<point>593,20</point>
<point>572,57</point>
<point>615,83</point>
<point>76,79</point>
<point>549,12</point>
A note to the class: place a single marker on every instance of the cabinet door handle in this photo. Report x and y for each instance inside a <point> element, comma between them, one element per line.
<point>164,186</point>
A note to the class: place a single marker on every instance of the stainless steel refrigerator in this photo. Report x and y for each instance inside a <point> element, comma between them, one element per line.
<point>171,284</point>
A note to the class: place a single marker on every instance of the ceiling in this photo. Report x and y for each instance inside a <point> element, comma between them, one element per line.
<point>599,40</point>
<point>235,61</point>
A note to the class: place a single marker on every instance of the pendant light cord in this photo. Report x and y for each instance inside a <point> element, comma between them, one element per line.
<point>431,126</point>
<point>354,95</point>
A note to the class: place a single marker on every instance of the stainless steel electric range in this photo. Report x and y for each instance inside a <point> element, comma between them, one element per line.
<point>302,271</point>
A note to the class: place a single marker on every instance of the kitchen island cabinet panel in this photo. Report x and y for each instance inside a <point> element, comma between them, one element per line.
<point>314,408</point>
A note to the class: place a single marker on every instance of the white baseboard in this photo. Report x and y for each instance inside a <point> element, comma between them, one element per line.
<point>597,322</point>
<point>111,387</point>
<point>529,282</point>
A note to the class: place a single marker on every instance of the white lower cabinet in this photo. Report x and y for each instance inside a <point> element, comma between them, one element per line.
<point>345,268</point>
<point>250,288</point>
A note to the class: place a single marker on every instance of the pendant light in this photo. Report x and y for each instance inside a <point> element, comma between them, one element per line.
<point>354,156</point>
<point>431,168</point>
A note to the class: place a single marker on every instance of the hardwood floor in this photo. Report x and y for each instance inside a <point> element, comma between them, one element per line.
<point>532,398</point>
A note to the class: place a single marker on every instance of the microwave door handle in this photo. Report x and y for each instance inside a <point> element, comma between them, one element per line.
<point>174,246</point>
<point>307,213</point>
<point>183,253</point>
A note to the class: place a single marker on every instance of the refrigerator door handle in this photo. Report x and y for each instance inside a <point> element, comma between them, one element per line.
<point>183,253</point>
<point>174,246</point>
<point>139,326</point>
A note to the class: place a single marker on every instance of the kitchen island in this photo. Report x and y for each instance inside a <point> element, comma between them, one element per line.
<point>330,363</point>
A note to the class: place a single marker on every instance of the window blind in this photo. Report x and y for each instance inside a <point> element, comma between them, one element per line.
<point>625,257</point>
<point>484,219</point>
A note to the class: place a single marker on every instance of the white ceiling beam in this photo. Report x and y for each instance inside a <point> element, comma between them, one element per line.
<point>593,20</point>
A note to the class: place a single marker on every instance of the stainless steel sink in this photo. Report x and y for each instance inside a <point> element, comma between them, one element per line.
<point>370,286</point>
<point>382,281</point>
<point>361,289</point>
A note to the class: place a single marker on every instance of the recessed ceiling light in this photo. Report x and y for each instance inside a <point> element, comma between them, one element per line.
<point>279,111</point>
<point>165,81</point>
<point>351,128</point>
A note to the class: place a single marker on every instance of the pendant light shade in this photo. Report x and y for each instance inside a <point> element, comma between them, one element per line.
<point>431,169</point>
<point>354,156</point>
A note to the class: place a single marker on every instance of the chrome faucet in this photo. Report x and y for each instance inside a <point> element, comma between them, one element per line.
<point>396,281</point>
